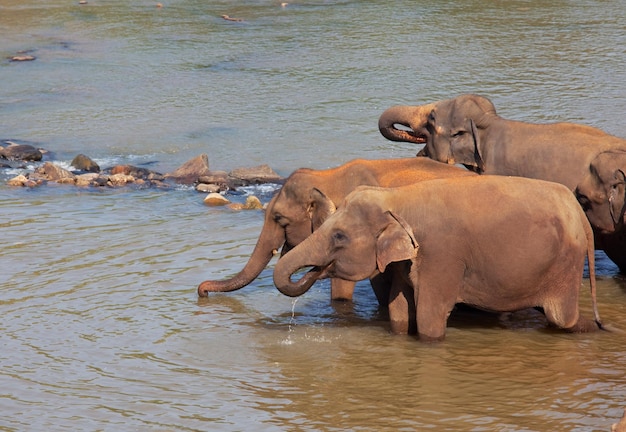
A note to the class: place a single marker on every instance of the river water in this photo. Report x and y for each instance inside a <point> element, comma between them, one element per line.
<point>101,325</point>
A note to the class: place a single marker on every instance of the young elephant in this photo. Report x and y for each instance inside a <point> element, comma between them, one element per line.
<point>495,243</point>
<point>293,213</point>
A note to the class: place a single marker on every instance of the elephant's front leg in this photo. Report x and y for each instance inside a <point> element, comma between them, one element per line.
<point>432,320</point>
<point>435,298</point>
<point>341,290</point>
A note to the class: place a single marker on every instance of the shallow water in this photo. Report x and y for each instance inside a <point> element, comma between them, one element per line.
<point>101,326</point>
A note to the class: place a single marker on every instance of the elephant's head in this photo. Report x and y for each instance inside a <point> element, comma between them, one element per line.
<point>357,241</point>
<point>451,129</point>
<point>290,217</point>
<point>602,192</point>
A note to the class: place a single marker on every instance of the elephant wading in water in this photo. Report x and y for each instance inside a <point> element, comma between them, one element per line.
<point>293,214</point>
<point>466,130</point>
<point>509,244</point>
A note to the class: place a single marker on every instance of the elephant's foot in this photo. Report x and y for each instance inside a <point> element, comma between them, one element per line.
<point>585,325</point>
<point>430,338</point>
<point>403,327</point>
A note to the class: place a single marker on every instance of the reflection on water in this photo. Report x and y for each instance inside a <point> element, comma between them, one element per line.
<point>101,326</point>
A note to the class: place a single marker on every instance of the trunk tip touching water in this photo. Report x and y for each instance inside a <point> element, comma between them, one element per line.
<point>226,285</point>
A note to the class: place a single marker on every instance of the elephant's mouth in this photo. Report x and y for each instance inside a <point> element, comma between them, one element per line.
<point>312,274</point>
<point>398,131</point>
<point>409,134</point>
<point>296,288</point>
<point>418,137</point>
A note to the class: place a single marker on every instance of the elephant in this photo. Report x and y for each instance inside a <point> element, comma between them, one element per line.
<point>292,214</point>
<point>494,243</point>
<point>466,130</point>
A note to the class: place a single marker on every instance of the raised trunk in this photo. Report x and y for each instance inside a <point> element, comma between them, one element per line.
<point>412,117</point>
<point>305,255</point>
<point>271,239</point>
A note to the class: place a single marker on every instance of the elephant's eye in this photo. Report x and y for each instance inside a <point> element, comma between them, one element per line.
<point>458,133</point>
<point>281,220</point>
<point>339,238</point>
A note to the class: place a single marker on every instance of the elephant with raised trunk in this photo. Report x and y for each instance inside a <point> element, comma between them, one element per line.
<point>293,214</point>
<point>466,130</point>
<point>496,243</point>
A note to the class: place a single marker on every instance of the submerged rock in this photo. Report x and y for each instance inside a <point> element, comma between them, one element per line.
<point>216,199</point>
<point>22,57</point>
<point>252,203</point>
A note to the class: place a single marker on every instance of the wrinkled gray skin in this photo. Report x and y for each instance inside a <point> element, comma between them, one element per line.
<point>293,214</point>
<point>511,244</point>
<point>466,130</point>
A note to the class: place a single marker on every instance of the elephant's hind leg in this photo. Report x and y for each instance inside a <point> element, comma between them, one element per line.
<point>563,312</point>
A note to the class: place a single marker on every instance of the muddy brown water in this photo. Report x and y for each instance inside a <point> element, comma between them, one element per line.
<point>101,326</point>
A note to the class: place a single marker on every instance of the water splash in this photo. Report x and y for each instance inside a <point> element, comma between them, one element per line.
<point>288,340</point>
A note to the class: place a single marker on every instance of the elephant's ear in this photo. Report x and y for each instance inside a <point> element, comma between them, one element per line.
<point>395,243</point>
<point>617,198</point>
<point>466,149</point>
<point>320,207</point>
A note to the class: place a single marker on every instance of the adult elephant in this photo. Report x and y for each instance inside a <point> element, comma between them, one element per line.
<point>466,130</point>
<point>293,214</point>
<point>512,243</point>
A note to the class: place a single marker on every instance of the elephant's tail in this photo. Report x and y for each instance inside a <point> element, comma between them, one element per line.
<point>591,262</point>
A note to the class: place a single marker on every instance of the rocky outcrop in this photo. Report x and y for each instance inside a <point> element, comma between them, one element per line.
<point>256,175</point>
<point>194,172</point>
<point>20,152</point>
<point>85,163</point>
<point>190,171</point>
<point>51,172</point>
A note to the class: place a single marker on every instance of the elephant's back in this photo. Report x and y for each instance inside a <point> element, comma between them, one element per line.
<point>418,169</point>
<point>493,222</point>
<point>481,202</point>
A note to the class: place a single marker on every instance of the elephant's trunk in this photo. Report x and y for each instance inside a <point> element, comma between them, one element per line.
<point>271,239</point>
<point>304,255</point>
<point>294,289</point>
<point>412,117</point>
